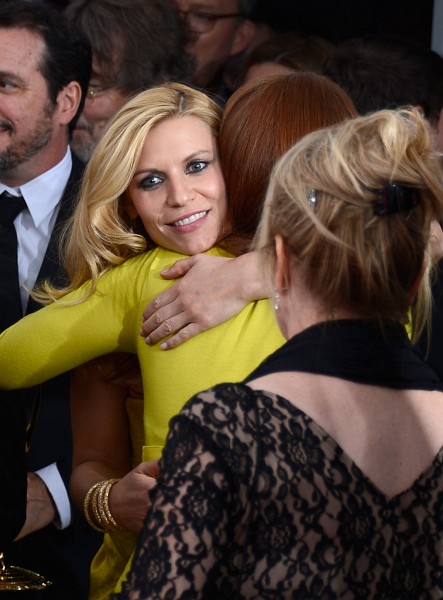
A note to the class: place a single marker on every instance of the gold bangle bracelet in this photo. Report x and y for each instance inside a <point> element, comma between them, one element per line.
<point>99,511</point>
<point>96,507</point>
<point>88,502</point>
<point>112,524</point>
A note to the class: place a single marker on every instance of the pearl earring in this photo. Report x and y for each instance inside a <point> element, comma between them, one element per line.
<point>276,300</point>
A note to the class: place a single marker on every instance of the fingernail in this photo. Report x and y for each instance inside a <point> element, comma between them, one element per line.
<point>164,346</point>
<point>148,340</point>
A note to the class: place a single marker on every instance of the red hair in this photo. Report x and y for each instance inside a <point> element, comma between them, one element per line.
<point>262,120</point>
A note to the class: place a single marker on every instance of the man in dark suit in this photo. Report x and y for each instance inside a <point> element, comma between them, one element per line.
<point>12,469</point>
<point>44,74</point>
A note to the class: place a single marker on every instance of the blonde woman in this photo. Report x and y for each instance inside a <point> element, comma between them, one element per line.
<point>153,192</point>
<point>106,417</point>
<point>322,475</point>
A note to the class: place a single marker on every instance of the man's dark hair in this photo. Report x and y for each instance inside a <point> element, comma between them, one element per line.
<point>383,72</point>
<point>67,55</point>
<point>136,43</point>
<point>247,7</point>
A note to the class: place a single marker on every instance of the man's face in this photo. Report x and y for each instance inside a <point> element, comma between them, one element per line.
<point>28,135</point>
<point>102,103</point>
<point>212,49</point>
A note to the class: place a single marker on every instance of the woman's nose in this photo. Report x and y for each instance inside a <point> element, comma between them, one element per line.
<point>180,191</point>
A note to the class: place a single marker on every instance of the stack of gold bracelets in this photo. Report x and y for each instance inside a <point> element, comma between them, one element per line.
<point>96,507</point>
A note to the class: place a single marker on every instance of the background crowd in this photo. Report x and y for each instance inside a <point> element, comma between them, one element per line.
<point>82,123</point>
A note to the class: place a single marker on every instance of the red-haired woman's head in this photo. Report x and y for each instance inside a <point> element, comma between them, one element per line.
<point>262,120</point>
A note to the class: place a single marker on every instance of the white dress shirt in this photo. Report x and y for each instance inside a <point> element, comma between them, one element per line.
<point>34,228</point>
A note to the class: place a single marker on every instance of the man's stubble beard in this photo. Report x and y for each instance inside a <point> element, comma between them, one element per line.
<point>22,151</point>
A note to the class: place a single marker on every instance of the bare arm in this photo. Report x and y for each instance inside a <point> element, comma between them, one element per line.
<point>102,446</point>
<point>211,291</point>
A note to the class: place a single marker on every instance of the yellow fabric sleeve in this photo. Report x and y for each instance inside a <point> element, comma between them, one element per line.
<point>61,336</point>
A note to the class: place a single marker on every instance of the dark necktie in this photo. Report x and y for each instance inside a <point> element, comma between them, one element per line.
<point>10,305</point>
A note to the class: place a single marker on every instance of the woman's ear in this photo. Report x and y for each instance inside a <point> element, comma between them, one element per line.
<point>436,242</point>
<point>282,269</point>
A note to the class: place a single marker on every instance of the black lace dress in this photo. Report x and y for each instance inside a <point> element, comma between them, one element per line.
<point>256,501</point>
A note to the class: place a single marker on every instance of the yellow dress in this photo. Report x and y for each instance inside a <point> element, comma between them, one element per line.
<point>64,335</point>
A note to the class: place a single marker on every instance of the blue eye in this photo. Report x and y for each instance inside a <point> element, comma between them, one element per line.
<point>150,182</point>
<point>197,166</point>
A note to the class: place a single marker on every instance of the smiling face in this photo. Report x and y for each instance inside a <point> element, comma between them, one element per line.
<point>29,136</point>
<point>178,189</point>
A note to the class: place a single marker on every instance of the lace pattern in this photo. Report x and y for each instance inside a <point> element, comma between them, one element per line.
<point>312,526</point>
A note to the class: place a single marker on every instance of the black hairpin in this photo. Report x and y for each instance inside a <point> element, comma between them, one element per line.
<point>396,197</point>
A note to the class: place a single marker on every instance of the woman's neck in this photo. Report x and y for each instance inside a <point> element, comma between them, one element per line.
<point>299,310</point>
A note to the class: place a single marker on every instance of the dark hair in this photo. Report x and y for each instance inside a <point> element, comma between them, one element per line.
<point>297,51</point>
<point>67,55</point>
<point>262,120</point>
<point>247,7</point>
<point>386,72</point>
<point>136,43</point>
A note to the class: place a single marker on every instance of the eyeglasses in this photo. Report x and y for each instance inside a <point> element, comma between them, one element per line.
<point>96,90</point>
<point>201,22</point>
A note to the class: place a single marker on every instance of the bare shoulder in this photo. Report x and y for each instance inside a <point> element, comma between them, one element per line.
<point>391,435</point>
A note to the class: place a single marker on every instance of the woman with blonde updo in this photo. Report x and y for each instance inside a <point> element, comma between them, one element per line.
<point>320,476</point>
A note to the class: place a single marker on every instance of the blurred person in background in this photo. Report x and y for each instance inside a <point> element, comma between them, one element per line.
<point>286,52</point>
<point>220,32</point>
<point>136,44</point>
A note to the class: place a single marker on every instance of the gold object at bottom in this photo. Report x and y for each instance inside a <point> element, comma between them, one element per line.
<point>17,578</point>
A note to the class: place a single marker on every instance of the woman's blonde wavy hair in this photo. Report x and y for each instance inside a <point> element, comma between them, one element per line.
<point>349,256</point>
<point>101,235</point>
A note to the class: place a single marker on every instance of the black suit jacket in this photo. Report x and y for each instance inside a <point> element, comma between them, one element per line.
<point>62,555</point>
<point>12,468</point>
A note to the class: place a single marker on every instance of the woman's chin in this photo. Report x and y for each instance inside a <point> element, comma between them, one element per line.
<point>191,247</point>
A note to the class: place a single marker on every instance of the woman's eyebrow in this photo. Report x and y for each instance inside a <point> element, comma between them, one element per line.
<point>193,155</point>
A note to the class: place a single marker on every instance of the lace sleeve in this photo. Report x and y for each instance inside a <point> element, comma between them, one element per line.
<point>189,526</point>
